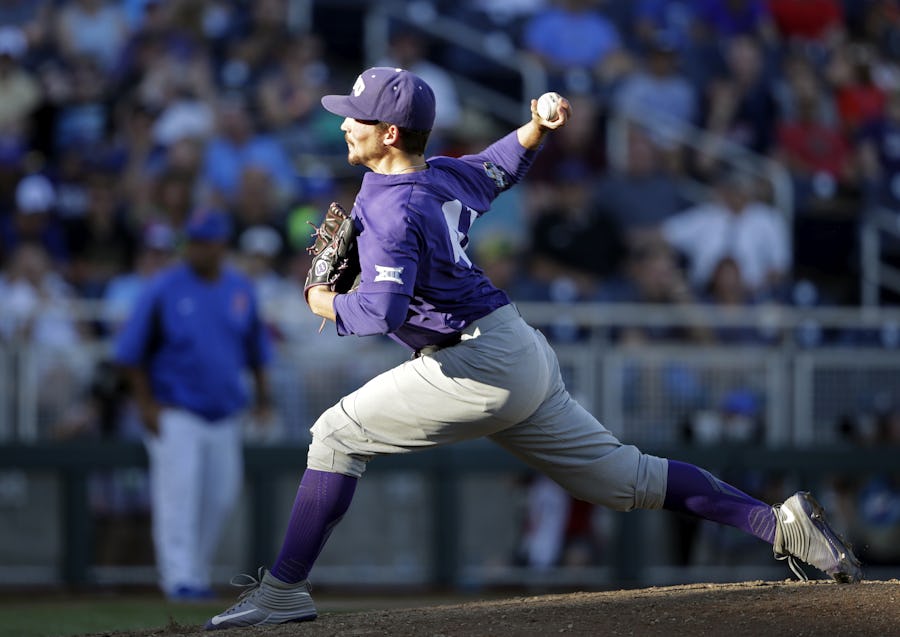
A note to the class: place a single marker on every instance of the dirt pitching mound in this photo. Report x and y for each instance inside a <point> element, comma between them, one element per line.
<point>733,610</point>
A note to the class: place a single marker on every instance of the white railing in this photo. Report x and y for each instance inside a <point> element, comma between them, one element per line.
<point>879,225</point>
<point>40,385</point>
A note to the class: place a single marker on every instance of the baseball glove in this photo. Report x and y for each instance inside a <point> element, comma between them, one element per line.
<point>335,261</point>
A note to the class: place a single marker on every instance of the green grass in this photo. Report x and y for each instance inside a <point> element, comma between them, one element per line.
<point>64,618</point>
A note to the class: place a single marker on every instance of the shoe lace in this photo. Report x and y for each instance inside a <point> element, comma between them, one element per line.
<point>248,582</point>
<point>795,567</point>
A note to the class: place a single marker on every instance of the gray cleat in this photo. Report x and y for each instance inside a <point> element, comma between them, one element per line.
<point>267,600</point>
<point>802,532</point>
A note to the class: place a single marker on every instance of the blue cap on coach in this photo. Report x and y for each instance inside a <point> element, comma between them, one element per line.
<point>387,94</point>
<point>207,224</point>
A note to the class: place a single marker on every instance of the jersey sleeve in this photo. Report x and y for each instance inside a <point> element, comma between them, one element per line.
<point>390,248</point>
<point>370,314</point>
<point>502,164</point>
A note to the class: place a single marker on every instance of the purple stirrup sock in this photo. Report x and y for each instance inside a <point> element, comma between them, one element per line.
<point>694,490</point>
<point>322,499</point>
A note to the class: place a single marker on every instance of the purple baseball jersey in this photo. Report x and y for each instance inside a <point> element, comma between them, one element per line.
<point>418,285</point>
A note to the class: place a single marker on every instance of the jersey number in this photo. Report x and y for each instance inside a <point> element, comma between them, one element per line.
<point>459,219</point>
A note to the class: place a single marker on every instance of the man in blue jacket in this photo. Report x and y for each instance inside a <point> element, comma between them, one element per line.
<point>185,347</point>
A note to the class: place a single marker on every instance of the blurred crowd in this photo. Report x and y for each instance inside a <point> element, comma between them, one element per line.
<point>119,116</point>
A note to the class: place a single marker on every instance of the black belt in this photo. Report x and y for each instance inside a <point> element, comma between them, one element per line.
<point>450,341</point>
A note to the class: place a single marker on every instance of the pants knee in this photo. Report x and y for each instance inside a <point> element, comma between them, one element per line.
<point>322,457</point>
<point>623,480</point>
<point>334,445</point>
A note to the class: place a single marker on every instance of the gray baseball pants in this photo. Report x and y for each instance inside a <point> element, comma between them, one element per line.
<point>501,381</point>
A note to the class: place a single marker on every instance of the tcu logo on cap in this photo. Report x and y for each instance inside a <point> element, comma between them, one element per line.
<point>359,86</point>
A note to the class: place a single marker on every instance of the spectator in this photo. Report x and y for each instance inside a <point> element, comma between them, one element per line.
<point>185,117</point>
<point>36,296</point>
<point>651,275</point>
<point>38,315</point>
<point>728,293</point>
<point>70,181</point>
<point>734,223</point>
<point>677,18</point>
<point>102,243</point>
<point>142,162</point>
<point>571,241</point>
<point>256,46</point>
<point>657,95</point>
<point>878,155</point>
<point>170,199</point>
<point>642,193</point>
<point>797,76</point>
<point>256,202</point>
<point>83,114</point>
<point>96,29</point>
<point>814,25</point>
<point>876,22</point>
<point>184,349</point>
<point>21,91</point>
<point>288,93</point>
<point>815,148</point>
<point>741,102</point>
<point>260,250</point>
<point>238,146</point>
<point>32,17</point>
<point>578,45</point>
<point>727,19</point>
<point>506,15</point>
<point>33,220</point>
<point>859,98</point>
<point>166,58</point>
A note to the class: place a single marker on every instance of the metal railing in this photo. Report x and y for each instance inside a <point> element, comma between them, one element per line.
<point>41,381</point>
<point>879,225</point>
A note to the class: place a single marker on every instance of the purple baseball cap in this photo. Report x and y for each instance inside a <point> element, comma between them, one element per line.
<point>389,95</point>
<point>206,224</point>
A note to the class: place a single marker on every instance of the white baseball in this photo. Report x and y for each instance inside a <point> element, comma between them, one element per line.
<point>546,106</point>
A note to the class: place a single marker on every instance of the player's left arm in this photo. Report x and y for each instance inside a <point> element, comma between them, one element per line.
<point>363,314</point>
<point>321,302</point>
